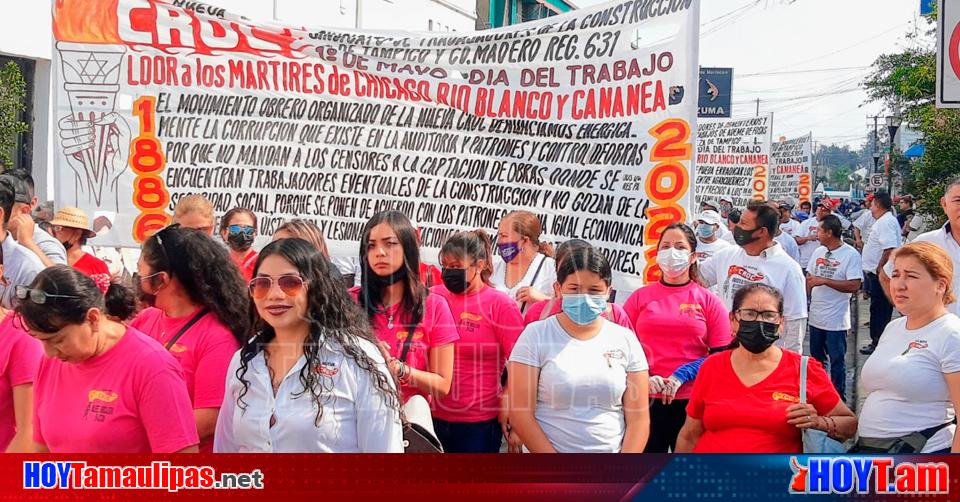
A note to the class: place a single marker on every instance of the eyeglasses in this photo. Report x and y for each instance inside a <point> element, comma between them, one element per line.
<point>241,229</point>
<point>38,296</point>
<point>291,285</point>
<point>753,315</point>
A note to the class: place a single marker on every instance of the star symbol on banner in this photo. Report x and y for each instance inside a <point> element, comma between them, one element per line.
<point>92,69</point>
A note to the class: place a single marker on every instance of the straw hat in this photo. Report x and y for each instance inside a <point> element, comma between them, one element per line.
<point>72,217</point>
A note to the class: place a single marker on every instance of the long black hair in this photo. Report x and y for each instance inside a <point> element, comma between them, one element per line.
<point>77,294</point>
<point>414,292</point>
<point>333,317</point>
<point>206,272</point>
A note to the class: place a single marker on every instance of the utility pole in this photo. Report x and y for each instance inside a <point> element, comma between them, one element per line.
<point>876,145</point>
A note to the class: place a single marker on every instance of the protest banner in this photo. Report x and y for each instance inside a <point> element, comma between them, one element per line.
<point>790,167</point>
<point>585,119</point>
<point>733,159</point>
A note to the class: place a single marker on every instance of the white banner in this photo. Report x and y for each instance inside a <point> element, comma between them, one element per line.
<point>733,159</point>
<point>585,119</point>
<point>790,166</point>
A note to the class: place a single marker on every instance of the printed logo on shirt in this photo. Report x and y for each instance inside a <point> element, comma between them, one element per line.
<point>470,316</point>
<point>327,369</point>
<point>469,321</point>
<point>178,349</point>
<point>102,395</point>
<point>402,336</point>
<point>693,310</point>
<point>916,344</point>
<point>99,412</point>
<point>612,355</point>
<point>738,277</point>
<point>783,396</point>
<point>826,268</point>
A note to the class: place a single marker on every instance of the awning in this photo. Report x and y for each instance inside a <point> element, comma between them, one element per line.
<point>915,151</point>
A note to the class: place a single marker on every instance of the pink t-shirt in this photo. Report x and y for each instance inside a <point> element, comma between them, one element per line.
<point>20,356</point>
<point>489,324</point>
<point>435,329</point>
<point>677,325</point>
<point>204,352</point>
<point>535,313</point>
<point>129,399</point>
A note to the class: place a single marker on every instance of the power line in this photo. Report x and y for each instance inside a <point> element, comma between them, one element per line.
<point>835,51</point>
<point>791,72</point>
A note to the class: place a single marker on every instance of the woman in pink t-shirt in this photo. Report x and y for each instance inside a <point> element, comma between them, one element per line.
<point>199,311</point>
<point>103,387</point>
<point>415,327</point>
<point>679,322</point>
<point>20,357</point>
<point>471,418</point>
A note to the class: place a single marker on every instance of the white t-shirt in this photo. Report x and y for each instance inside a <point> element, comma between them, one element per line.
<point>807,229</point>
<point>542,281</point>
<point>356,417</point>
<point>865,222</point>
<point>733,268</point>
<point>790,227</point>
<point>580,392</point>
<point>829,308</point>
<point>707,250</point>
<point>728,237</point>
<point>905,384</point>
<point>789,246</point>
<point>943,238</point>
<point>884,235</point>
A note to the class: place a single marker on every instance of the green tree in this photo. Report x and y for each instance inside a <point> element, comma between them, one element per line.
<point>13,89</point>
<point>907,81</point>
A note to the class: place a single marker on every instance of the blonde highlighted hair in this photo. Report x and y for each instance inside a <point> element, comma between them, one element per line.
<point>935,260</point>
<point>193,204</point>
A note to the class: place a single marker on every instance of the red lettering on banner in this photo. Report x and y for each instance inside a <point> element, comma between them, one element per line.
<point>165,26</point>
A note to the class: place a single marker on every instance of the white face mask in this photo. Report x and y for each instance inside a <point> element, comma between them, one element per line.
<point>673,262</point>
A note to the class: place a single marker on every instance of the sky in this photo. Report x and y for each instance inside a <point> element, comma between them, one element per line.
<point>804,59</point>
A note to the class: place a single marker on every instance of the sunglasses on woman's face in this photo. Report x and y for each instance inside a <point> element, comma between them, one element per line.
<point>240,229</point>
<point>291,285</point>
<point>37,296</point>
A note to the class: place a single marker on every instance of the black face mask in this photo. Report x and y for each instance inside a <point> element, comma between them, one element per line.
<point>66,244</point>
<point>744,237</point>
<point>757,336</point>
<point>455,279</point>
<point>380,282</point>
<point>239,241</point>
<point>145,299</point>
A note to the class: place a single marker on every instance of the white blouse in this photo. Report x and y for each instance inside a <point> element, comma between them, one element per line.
<point>356,418</point>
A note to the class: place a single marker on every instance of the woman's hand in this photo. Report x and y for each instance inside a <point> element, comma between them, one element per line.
<point>529,295</point>
<point>804,416</point>
<point>392,363</point>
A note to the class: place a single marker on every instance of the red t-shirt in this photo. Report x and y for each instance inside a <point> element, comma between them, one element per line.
<point>741,419</point>
<point>93,267</point>
<point>246,264</point>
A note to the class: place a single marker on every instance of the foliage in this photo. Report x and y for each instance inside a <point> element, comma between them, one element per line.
<point>906,81</point>
<point>13,89</point>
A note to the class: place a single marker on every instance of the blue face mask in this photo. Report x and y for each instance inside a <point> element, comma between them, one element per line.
<point>584,309</point>
<point>705,231</point>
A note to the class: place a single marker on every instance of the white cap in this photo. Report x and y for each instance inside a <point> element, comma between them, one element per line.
<point>711,218</point>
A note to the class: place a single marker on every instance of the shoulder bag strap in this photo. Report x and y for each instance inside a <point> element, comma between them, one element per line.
<point>406,345</point>
<point>803,379</point>
<point>186,327</point>
<point>536,273</point>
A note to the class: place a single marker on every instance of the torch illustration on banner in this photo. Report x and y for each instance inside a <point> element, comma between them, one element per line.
<point>94,138</point>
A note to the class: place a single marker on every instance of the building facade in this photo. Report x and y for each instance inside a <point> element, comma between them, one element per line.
<point>499,13</point>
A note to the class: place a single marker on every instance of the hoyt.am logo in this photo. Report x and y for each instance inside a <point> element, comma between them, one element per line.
<point>879,475</point>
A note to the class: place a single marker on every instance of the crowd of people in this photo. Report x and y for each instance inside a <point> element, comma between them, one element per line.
<point>509,345</point>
